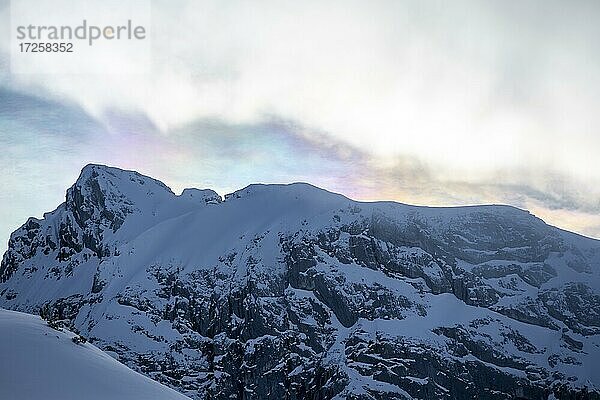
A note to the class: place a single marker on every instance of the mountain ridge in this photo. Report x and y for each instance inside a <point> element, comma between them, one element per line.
<point>253,186</point>
<point>205,293</point>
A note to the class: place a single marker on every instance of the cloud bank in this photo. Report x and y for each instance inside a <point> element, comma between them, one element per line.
<point>424,102</point>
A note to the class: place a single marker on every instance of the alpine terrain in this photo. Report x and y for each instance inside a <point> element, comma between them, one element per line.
<point>47,362</point>
<point>293,292</point>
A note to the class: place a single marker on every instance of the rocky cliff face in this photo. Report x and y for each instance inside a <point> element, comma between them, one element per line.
<point>292,292</point>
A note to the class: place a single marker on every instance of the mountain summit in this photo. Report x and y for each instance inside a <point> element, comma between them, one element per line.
<point>293,292</point>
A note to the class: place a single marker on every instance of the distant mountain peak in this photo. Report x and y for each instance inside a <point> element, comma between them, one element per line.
<point>109,194</point>
<point>293,190</point>
<point>116,177</point>
<point>201,195</point>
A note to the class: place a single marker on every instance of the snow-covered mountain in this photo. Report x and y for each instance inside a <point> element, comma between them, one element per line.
<point>40,362</point>
<point>293,292</point>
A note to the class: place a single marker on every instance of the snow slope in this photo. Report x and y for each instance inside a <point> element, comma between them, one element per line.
<point>39,362</point>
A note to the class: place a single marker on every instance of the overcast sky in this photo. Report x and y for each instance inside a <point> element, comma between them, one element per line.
<point>427,102</point>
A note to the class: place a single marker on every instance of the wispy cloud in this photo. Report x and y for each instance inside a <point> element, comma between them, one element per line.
<point>43,155</point>
<point>425,102</point>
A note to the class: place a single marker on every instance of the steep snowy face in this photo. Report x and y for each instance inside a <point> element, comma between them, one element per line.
<point>289,291</point>
<point>40,362</point>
